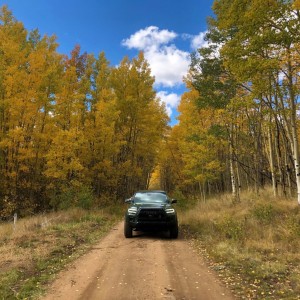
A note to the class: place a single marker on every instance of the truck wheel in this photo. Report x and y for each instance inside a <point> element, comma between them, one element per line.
<point>174,232</point>
<point>127,230</point>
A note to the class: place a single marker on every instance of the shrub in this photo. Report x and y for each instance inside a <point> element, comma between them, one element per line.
<point>183,202</point>
<point>85,198</point>
<point>73,196</point>
<point>264,213</point>
<point>231,228</point>
<point>294,225</point>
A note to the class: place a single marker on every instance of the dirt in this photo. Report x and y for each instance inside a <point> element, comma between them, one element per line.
<point>147,266</point>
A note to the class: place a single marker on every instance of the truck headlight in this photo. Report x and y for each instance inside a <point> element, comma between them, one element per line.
<point>170,210</point>
<point>132,211</point>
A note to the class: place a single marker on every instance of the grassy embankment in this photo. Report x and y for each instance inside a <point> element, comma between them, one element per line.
<point>254,245</point>
<point>40,246</point>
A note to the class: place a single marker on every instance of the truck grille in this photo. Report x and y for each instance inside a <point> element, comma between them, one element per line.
<point>150,215</point>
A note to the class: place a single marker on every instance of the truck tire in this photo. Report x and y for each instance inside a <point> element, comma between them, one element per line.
<point>174,232</point>
<point>127,230</point>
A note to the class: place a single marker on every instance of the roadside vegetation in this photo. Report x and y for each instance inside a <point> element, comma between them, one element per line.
<point>37,248</point>
<point>253,245</point>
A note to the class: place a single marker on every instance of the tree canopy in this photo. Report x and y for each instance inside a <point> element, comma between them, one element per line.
<point>71,127</point>
<point>243,96</point>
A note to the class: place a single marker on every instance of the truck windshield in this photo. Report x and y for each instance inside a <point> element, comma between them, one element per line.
<point>150,197</point>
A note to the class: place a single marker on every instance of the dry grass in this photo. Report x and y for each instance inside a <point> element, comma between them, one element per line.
<point>256,242</point>
<point>38,247</point>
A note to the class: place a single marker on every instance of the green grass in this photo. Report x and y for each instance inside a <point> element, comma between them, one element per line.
<point>253,245</point>
<point>39,247</point>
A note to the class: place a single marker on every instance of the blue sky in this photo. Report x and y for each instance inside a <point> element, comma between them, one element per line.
<point>166,30</point>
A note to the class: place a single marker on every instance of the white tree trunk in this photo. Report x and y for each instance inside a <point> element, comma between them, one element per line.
<point>272,163</point>
<point>296,153</point>
<point>232,176</point>
<point>231,164</point>
<point>294,133</point>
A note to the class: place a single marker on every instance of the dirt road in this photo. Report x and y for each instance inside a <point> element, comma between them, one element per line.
<point>143,267</point>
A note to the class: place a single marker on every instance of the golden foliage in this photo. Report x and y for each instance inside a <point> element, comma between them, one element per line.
<point>70,122</point>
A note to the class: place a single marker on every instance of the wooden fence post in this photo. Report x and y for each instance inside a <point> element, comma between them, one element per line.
<point>15,220</point>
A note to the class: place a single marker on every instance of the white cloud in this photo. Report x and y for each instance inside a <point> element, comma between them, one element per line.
<point>168,64</point>
<point>197,41</point>
<point>171,100</point>
<point>148,38</point>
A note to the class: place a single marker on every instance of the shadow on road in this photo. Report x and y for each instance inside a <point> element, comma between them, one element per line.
<point>154,235</point>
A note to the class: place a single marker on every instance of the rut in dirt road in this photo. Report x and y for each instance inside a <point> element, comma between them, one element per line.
<point>143,267</point>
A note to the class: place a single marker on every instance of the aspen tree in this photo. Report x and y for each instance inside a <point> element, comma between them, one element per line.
<point>256,27</point>
<point>141,123</point>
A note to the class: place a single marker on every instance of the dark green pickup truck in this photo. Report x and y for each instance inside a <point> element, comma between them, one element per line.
<point>151,210</point>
